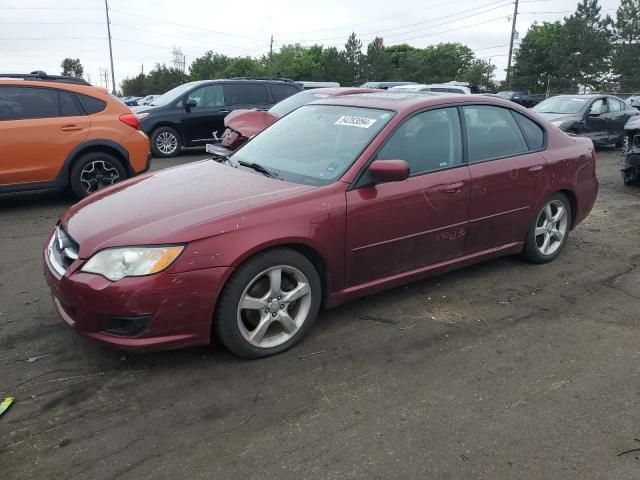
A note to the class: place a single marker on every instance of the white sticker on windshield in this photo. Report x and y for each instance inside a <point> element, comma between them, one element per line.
<point>360,122</point>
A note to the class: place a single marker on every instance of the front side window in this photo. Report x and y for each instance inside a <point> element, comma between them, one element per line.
<point>598,107</point>
<point>247,94</point>
<point>428,141</point>
<point>492,133</point>
<point>209,96</point>
<point>315,144</point>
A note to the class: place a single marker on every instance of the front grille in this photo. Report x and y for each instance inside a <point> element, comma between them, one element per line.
<point>62,250</point>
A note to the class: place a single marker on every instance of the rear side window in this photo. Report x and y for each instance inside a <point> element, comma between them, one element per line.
<point>533,133</point>
<point>247,94</point>
<point>69,107</point>
<point>281,91</point>
<point>91,105</point>
<point>21,103</point>
<point>492,133</point>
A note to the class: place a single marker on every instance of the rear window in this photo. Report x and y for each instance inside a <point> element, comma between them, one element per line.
<point>533,133</point>
<point>69,106</point>
<point>281,91</point>
<point>247,94</point>
<point>91,105</point>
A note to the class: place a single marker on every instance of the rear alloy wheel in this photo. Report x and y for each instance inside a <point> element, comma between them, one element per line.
<point>95,171</point>
<point>269,304</point>
<point>165,142</point>
<point>549,230</point>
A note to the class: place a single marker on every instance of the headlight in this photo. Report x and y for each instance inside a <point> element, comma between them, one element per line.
<point>142,115</point>
<point>117,263</point>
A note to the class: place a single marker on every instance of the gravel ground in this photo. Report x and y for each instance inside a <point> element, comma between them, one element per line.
<point>504,370</point>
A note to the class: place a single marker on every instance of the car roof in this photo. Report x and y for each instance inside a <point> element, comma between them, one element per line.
<point>408,101</point>
<point>87,89</point>
<point>339,91</point>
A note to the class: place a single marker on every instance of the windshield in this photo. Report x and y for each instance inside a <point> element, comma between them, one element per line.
<point>173,94</point>
<point>506,95</point>
<point>566,105</point>
<point>315,144</point>
<point>289,104</point>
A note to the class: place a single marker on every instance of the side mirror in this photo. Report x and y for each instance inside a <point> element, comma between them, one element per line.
<point>385,171</point>
<point>594,114</point>
<point>190,103</point>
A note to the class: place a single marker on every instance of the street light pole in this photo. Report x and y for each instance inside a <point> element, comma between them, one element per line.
<point>113,75</point>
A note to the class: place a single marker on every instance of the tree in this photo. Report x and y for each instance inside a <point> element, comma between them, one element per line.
<point>133,87</point>
<point>584,48</point>
<point>72,67</point>
<point>210,66</point>
<point>627,52</point>
<point>355,60</point>
<point>444,62</point>
<point>536,61</point>
<point>159,80</point>
<point>377,62</point>
<point>404,60</point>
<point>480,73</point>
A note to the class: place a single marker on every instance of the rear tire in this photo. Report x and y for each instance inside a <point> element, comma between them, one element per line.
<point>94,171</point>
<point>549,230</point>
<point>165,142</point>
<point>269,304</point>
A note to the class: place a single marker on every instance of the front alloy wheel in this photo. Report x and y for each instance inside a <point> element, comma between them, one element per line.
<point>268,304</point>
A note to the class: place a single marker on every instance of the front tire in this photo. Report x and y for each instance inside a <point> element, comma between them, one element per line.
<point>165,142</point>
<point>549,230</point>
<point>269,304</point>
<point>94,171</point>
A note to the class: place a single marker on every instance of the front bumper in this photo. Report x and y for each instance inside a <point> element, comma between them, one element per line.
<point>176,309</point>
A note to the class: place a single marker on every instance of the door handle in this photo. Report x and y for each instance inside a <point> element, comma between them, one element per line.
<point>70,128</point>
<point>224,111</point>
<point>535,171</point>
<point>454,188</point>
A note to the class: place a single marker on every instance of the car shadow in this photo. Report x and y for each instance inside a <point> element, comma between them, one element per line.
<point>37,198</point>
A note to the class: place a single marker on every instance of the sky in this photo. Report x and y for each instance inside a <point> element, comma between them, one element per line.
<point>38,34</point>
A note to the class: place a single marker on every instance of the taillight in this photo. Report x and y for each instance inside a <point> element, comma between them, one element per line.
<point>131,120</point>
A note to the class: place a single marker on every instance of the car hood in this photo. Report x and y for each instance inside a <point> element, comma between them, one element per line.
<point>557,116</point>
<point>249,122</point>
<point>633,124</point>
<point>161,207</point>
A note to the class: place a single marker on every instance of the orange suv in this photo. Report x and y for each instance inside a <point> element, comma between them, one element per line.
<point>62,132</point>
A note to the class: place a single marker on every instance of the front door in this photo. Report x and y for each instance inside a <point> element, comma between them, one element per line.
<point>398,227</point>
<point>509,177</point>
<point>40,128</point>
<point>200,122</point>
<point>595,122</point>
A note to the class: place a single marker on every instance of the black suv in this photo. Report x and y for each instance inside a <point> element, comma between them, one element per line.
<point>193,114</point>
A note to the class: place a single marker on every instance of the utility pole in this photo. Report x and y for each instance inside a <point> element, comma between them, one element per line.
<point>488,73</point>
<point>271,56</point>
<point>513,34</point>
<point>142,69</point>
<point>184,63</point>
<point>113,75</point>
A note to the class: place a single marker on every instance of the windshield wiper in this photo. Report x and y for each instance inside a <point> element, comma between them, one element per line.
<point>259,168</point>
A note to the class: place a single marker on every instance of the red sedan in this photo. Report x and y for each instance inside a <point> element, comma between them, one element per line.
<point>342,198</point>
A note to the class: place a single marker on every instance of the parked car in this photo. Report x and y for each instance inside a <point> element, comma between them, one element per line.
<point>241,125</point>
<point>344,197</point>
<point>631,152</point>
<point>147,100</point>
<point>385,85</point>
<point>600,117</point>
<point>187,115</point>
<point>436,87</point>
<point>62,132</point>
<point>132,101</point>
<point>313,85</point>
<point>521,98</point>
<point>634,101</point>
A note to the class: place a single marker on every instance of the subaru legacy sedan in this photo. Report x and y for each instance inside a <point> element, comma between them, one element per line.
<point>342,198</point>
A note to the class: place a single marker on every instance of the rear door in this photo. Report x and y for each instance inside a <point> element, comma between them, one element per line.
<point>40,127</point>
<point>402,226</point>
<point>207,117</point>
<point>509,177</point>
<point>616,117</point>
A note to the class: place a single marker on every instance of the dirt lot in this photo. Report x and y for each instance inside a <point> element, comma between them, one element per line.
<point>499,371</point>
